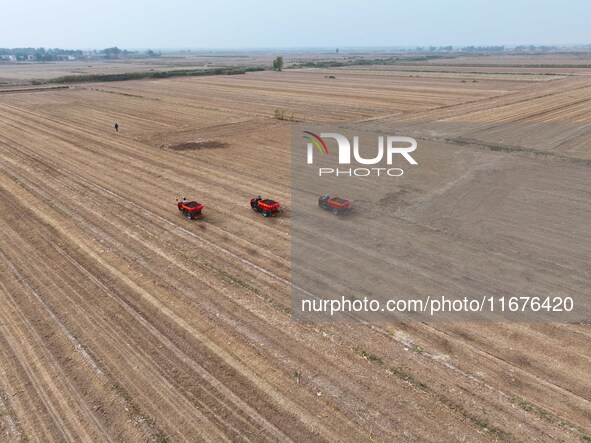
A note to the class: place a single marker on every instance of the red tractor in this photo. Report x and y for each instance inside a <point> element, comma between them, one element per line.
<point>336,205</point>
<point>269,208</point>
<point>191,209</point>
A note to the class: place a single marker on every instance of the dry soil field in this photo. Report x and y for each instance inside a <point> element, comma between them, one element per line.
<point>122,321</point>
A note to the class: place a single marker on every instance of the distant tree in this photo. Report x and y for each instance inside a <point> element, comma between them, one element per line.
<point>111,52</point>
<point>150,53</point>
<point>278,64</point>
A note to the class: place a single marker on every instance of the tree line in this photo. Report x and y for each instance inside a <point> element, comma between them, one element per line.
<point>56,54</point>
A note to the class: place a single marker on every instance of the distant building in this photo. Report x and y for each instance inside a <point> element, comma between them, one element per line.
<point>31,57</point>
<point>71,57</point>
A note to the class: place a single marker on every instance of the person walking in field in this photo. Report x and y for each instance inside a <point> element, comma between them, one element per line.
<point>116,126</point>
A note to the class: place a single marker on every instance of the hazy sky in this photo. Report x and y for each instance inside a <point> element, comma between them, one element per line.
<point>304,23</point>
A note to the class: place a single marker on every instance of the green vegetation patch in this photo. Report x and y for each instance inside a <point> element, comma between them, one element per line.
<point>87,78</point>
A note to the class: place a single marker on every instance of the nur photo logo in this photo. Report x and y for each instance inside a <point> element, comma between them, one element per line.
<point>388,147</point>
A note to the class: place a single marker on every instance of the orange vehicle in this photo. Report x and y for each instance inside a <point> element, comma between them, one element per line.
<point>269,208</point>
<point>191,209</point>
<point>336,205</point>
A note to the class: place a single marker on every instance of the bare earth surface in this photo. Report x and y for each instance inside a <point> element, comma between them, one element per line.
<point>122,321</point>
